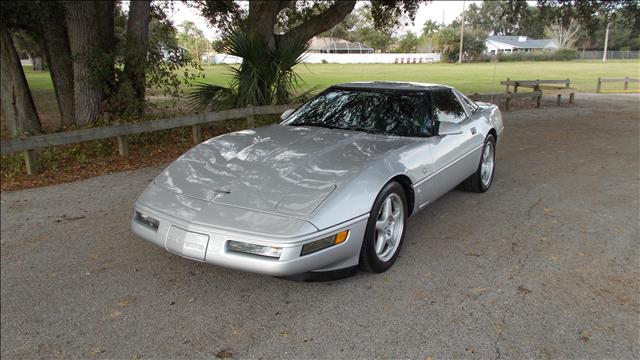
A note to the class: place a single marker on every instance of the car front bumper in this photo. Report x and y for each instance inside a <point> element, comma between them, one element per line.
<point>210,245</point>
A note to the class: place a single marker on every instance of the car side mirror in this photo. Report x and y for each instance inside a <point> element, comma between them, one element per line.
<point>449,128</point>
<point>286,114</point>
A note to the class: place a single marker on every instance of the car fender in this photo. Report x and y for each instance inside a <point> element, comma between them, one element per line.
<point>356,197</point>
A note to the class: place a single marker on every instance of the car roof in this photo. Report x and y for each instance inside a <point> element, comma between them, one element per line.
<point>391,85</point>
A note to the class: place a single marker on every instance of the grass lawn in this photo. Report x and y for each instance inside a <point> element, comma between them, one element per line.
<point>469,78</point>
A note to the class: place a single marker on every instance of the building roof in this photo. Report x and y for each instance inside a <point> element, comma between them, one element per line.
<point>524,42</point>
<point>329,43</point>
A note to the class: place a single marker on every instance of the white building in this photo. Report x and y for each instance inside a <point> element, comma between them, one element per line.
<point>329,45</point>
<point>497,44</point>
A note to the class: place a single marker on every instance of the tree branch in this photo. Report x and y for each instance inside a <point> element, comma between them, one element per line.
<point>320,22</point>
<point>283,4</point>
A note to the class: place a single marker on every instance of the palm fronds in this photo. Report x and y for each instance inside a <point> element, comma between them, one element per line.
<point>266,75</point>
<point>212,97</point>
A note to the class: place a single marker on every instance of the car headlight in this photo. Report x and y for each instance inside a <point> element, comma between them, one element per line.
<point>147,220</point>
<point>268,251</point>
<point>324,243</point>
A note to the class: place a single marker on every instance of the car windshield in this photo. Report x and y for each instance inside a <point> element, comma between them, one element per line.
<point>400,113</point>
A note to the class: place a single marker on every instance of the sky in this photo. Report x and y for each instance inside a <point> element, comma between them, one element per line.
<point>436,11</point>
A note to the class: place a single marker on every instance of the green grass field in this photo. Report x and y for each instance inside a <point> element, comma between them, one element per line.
<point>469,78</point>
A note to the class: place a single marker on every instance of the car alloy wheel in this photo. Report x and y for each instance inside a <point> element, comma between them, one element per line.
<point>389,227</point>
<point>385,229</point>
<point>486,166</point>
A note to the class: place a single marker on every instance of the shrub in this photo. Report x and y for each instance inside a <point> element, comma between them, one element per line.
<point>560,55</point>
<point>566,54</point>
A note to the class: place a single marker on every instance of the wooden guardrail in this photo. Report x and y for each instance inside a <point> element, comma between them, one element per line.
<point>28,145</point>
<point>626,80</point>
<point>507,96</point>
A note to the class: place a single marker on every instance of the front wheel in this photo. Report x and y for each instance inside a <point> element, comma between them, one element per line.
<point>385,229</point>
<point>482,179</point>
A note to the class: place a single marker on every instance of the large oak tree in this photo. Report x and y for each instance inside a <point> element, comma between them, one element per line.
<point>17,103</point>
<point>283,21</point>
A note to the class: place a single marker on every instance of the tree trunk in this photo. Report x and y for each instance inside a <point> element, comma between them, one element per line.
<point>136,52</point>
<point>103,13</point>
<point>261,20</point>
<point>17,103</point>
<point>38,65</point>
<point>58,53</point>
<point>84,40</point>
<point>263,17</point>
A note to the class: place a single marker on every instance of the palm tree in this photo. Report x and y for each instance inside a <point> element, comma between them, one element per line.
<point>430,28</point>
<point>265,76</point>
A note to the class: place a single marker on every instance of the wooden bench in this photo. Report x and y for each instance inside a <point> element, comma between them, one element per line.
<point>545,86</point>
<point>507,96</point>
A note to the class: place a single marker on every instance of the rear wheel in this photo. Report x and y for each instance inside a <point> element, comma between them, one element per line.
<point>385,229</point>
<point>482,179</point>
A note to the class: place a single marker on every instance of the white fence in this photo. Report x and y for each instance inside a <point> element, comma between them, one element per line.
<point>316,58</point>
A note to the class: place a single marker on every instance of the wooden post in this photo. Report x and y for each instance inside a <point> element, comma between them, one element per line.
<point>31,162</point>
<point>538,100</point>
<point>515,87</point>
<point>196,134</point>
<point>123,145</point>
<point>507,85</point>
<point>599,85</point>
<point>508,104</point>
<point>626,83</point>
<point>559,98</point>
<point>568,83</point>
<point>572,98</point>
<point>251,121</point>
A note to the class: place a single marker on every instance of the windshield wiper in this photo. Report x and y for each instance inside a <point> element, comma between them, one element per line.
<point>362,129</point>
<point>308,124</point>
<point>317,125</point>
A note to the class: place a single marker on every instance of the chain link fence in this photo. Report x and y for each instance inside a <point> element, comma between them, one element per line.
<point>611,55</point>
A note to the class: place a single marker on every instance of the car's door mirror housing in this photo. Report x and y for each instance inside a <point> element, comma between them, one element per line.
<point>286,114</point>
<point>448,128</point>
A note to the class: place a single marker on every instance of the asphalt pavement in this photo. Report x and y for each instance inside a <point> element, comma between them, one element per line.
<point>544,265</point>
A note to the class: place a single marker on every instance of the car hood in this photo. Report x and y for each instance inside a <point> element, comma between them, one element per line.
<point>281,169</point>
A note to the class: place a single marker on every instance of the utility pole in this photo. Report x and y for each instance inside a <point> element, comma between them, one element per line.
<point>461,34</point>
<point>606,43</point>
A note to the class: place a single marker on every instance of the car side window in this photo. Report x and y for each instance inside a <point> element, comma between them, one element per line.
<point>467,103</point>
<point>446,107</point>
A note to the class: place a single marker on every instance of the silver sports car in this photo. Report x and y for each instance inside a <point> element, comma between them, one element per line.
<point>329,189</point>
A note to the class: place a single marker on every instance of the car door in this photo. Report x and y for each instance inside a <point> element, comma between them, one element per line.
<point>454,157</point>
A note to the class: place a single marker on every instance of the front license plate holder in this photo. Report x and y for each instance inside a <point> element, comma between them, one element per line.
<point>187,243</point>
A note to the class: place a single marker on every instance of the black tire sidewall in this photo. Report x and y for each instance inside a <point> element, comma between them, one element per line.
<point>368,256</point>
<point>491,139</point>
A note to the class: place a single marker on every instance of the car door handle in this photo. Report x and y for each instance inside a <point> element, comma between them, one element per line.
<point>473,131</point>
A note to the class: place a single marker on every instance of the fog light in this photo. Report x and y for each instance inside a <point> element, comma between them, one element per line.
<point>268,251</point>
<point>324,243</point>
<point>147,221</point>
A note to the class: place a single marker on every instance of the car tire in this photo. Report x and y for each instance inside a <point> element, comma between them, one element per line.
<point>385,229</point>
<point>482,179</point>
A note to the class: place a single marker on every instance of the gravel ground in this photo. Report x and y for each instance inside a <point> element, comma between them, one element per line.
<point>544,265</point>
